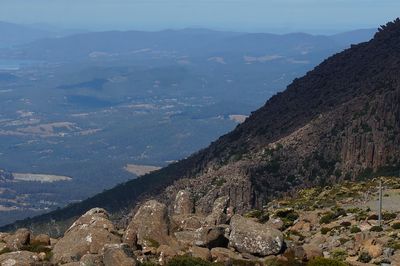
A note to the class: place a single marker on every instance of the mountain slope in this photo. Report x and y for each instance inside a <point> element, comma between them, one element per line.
<point>340,121</point>
<point>13,34</point>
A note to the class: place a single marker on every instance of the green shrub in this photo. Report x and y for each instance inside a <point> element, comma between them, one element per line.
<point>364,257</point>
<point>327,218</point>
<point>339,254</point>
<point>389,216</point>
<point>396,226</point>
<point>152,242</point>
<point>332,215</point>
<point>362,215</point>
<point>189,261</point>
<point>288,217</point>
<point>325,262</point>
<point>325,230</point>
<point>393,244</point>
<point>148,263</point>
<point>374,217</point>
<point>261,216</point>
<point>36,248</point>
<point>5,250</point>
<point>376,228</point>
<point>354,210</point>
<point>355,229</point>
<point>345,224</point>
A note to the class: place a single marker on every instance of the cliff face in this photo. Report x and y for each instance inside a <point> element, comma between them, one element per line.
<point>340,121</point>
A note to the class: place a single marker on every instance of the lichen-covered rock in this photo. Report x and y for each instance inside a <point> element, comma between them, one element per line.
<point>183,203</point>
<point>248,236</point>
<point>41,239</point>
<point>219,212</point>
<point>312,251</point>
<point>118,254</point>
<point>19,258</point>
<point>3,246</point>
<point>167,250</point>
<point>87,235</point>
<point>92,260</point>
<point>199,252</point>
<point>211,237</point>
<point>149,226</point>
<point>187,222</point>
<point>224,255</point>
<point>19,239</point>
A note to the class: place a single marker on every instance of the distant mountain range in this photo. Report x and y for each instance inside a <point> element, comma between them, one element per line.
<point>47,43</point>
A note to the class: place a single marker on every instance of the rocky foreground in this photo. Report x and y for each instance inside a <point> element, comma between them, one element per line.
<point>318,226</point>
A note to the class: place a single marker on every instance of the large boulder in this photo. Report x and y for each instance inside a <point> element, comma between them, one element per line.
<point>19,239</point>
<point>149,226</point>
<point>199,252</point>
<point>219,213</point>
<point>19,258</point>
<point>183,203</point>
<point>224,255</point>
<point>248,236</point>
<point>118,254</point>
<point>211,237</point>
<point>186,222</point>
<point>87,235</point>
<point>41,239</point>
<point>92,260</point>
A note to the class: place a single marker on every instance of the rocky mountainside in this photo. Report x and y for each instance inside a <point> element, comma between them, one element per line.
<point>335,225</point>
<point>339,122</point>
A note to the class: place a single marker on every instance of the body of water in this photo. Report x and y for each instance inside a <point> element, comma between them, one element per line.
<point>14,64</point>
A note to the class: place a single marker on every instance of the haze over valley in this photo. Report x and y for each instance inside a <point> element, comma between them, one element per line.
<point>87,105</point>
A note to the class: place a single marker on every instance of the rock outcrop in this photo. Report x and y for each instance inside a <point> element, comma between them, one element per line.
<point>251,237</point>
<point>118,254</point>
<point>149,226</point>
<point>88,234</point>
<point>19,258</point>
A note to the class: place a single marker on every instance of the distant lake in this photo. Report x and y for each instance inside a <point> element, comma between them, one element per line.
<point>14,64</point>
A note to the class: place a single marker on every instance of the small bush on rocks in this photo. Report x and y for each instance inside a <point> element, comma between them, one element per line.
<point>5,250</point>
<point>327,218</point>
<point>389,216</point>
<point>373,217</point>
<point>396,226</point>
<point>339,254</point>
<point>364,257</point>
<point>394,244</point>
<point>261,216</point>
<point>189,261</point>
<point>376,228</point>
<point>325,262</point>
<point>345,224</point>
<point>332,215</point>
<point>325,230</point>
<point>355,229</point>
<point>288,216</point>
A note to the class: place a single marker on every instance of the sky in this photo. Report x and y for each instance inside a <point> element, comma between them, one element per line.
<point>314,16</point>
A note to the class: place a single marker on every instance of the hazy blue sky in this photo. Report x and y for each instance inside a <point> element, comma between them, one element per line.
<point>250,15</point>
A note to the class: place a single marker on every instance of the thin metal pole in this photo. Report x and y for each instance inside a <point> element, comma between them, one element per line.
<point>380,202</point>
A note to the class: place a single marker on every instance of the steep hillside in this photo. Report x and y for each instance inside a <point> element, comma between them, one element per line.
<point>341,121</point>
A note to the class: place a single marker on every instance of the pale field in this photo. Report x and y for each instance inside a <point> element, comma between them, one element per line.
<point>140,170</point>
<point>40,177</point>
<point>238,118</point>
